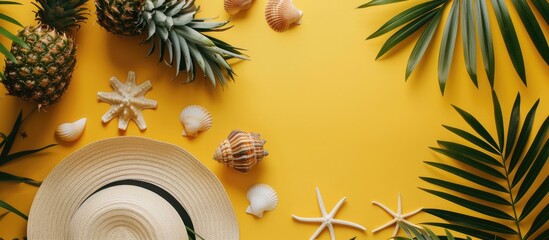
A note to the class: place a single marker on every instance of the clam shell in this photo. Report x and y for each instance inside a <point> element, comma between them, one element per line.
<point>262,197</point>
<point>70,132</point>
<point>241,151</point>
<point>280,14</point>
<point>195,119</point>
<point>235,6</point>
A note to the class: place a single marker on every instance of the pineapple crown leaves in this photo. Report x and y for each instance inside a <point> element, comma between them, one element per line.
<point>176,30</point>
<point>63,16</point>
<point>9,35</point>
<point>505,171</point>
<point>472,17</point>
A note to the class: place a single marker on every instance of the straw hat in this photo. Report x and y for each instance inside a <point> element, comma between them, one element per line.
<point>131,188</point>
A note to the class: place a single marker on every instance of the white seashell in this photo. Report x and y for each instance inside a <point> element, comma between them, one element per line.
<point>195,119</point>
<point>262,197</point>
<point>235,6</point>
<point>280,14</point>
<point>70,132</point>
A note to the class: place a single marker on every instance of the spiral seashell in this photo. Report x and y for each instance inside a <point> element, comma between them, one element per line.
<point>235,6</point>
<point>280,14</point>
<point>195,119</point>
<point>70,132</point>
<point>262,197</point>
<point>241,151</point>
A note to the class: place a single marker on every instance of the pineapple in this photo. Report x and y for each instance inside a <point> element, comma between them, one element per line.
<point>177,32</point>
<point>42,72</point>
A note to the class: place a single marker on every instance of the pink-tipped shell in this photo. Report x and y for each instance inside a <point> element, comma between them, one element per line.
<point>280,14</point>
<point>235,6</point>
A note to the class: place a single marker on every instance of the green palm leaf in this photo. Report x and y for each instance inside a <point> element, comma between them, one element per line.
<point>469,39</point>
<point>539,222</point>
<point>423,43</point>
<point>474,20</point>
<point>523,137</point>
<point>404,32</point>
<point>469,221</point>
<point>485,40</point>
<point>9,140</point>
<point>447,45</point>
<point>533,28</point>
<point>531,154</point>
<point>4,176</point>
<point>6,144</point>
<point>481,208</point>
<point>423,233</point>
<point>406,16</point>
<point>467,230</point>
<point>7,34</point>
<point>521,163</point>
<point>469,176</point>
<point>379,2</point>
<point>470,152</point>
<point>10,208</point>
<point>469,161</point>
<point>477,126</point>
<point>543,9</point>
<point>509,37</point>
<point>473,192</point>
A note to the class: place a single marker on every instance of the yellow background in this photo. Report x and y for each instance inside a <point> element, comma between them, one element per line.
<point>333,117</point>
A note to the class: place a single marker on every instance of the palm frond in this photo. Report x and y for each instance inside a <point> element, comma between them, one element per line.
<point>424,233</point>
<point>10,208</point>
<point>505,177</point>
<point>7,34</point>
<point>6,144</point>
<point>7,177</point>
<point>9,140</point>
<point>473,18</point>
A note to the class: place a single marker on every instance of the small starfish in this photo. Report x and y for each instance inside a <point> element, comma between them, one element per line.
<point>327,219</point>
<point>127,101</point>
<point>398,216</point>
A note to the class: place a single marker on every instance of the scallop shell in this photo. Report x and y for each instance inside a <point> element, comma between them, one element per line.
<point>70,132</point>
<point>241,151</point>
<point>235,6</point>
<point>280,14</point>
<point>262,197</point>
<point>195,119</point>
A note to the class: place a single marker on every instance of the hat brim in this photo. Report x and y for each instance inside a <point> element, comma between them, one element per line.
<point>101,163</point>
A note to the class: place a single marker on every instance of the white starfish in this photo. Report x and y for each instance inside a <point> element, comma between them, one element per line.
<point>398,216</point>
<point>327,219</point>
<point>127,101</point>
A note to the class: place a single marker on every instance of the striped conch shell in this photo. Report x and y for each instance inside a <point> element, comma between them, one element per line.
<point>262,197</point>
<point>70,132</point>
<point>241,151</point>
<point>195,119</point>
<point>235,6</point>
<point>280,14</point>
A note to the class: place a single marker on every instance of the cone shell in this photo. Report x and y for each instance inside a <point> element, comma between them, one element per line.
<point>195,119</point>
<point>70,132</point>
<point>235,6</point>
<point>241,151</point>
<point>280,14</point>
<point>262,197</point>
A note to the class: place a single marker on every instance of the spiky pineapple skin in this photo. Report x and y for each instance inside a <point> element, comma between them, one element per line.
<point>121,17</point>
<point>43,71</point>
